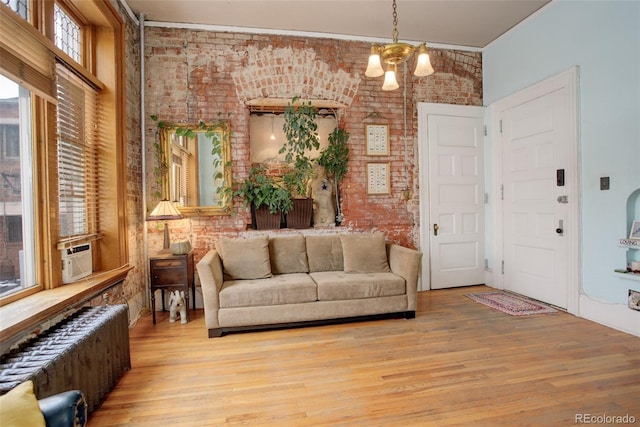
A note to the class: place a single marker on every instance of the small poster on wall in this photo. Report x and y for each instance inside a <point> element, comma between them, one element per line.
<point>378,178</point>
<point>377,140</point>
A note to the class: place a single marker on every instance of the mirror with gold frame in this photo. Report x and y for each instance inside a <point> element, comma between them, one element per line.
<point>198,159</point>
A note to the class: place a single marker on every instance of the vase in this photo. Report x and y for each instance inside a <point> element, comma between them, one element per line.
<point>265,220</point>
<point>301,214</point>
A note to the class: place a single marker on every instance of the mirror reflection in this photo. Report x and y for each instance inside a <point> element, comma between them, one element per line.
<point>198,159</point>
<point>266,136</point>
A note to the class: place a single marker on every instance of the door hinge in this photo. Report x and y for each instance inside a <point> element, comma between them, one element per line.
<point>502,266</point>
<point>500,125</point>
<point>486,264</point>
<point>501,191</point>
<point>485,130</point>
<point>486,198</point>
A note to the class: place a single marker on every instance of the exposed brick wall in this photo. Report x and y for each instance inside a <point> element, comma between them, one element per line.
<point>190,77</point>
<point>135,284</point>
<point>458,79</point>
<point>285,73</point>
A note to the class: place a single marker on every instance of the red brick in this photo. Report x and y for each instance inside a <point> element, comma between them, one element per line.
<point>322,67</point>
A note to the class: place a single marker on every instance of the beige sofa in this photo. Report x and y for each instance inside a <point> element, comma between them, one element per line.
<point>285,281</point>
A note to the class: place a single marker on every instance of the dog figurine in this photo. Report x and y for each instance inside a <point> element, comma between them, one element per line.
<point>177,305</point>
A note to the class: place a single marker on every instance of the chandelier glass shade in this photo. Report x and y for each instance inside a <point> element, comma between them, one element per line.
<point>395,53</point>
<point>390,80</point>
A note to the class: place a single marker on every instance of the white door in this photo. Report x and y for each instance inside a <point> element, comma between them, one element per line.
<point>538,180</point>
<point>455,220</point>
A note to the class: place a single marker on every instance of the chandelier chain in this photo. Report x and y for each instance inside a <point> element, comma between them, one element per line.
<point>394,35</point>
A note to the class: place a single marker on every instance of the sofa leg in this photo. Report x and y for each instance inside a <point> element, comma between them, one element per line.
<point>215,333</point>
<point>409,314</point>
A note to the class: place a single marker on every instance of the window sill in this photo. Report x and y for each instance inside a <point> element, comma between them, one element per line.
<point>26,313</point>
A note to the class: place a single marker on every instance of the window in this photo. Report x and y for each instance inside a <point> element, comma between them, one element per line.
<point>14,228</point>
<point>17,240</point>
<point>67,33</point>
<point>78,161</point>
<point>21,7</point>
<point>10,138</point>
<point>60,118</point>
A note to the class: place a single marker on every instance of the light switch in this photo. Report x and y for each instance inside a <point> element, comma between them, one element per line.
<point>604,183</point>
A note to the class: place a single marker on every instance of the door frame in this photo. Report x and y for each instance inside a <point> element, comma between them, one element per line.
<point>565,80</point>
<point>426,109</point>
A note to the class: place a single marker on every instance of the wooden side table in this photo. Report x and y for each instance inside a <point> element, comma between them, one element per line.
<point>171,272</point>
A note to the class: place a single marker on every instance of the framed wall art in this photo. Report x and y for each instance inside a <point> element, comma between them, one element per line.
<point>377,140</point>
<point>378,178</point>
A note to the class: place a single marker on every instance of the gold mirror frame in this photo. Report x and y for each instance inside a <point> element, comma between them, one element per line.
<point>187,139</point>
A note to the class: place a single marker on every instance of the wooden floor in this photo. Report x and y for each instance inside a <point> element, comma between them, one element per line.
<point>457,363</point>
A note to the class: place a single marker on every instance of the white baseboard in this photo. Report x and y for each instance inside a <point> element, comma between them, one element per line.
<point>616,316</point>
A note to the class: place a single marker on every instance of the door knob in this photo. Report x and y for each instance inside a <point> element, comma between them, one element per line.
<point>435,229</point>
<point>560,229</point>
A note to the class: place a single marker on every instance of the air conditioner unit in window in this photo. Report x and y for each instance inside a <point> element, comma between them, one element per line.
<point>77,262</point>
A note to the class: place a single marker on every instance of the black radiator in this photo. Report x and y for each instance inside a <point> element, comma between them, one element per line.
<point>87,351</point>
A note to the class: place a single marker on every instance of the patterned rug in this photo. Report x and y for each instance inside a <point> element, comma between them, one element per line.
<point>509,303</point>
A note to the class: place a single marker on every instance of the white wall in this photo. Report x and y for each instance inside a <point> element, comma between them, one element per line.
<point>603,39</point>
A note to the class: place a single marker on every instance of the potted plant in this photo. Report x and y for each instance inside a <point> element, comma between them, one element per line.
<point>301,132</point>
<point>334,160</point>
<point>268,199</point>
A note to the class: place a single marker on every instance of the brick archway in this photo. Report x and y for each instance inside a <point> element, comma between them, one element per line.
<point>273,76</point>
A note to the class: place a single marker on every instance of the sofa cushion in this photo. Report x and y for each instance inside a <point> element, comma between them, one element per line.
<point>337,285</point>
<point>277,290</point>
<point>288,254</point>
<point>324,253</point>
<point>245,258</point>
<point>364,253</point>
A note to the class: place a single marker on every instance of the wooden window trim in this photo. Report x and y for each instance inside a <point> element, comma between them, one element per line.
<point>32,307</point>
<point>28,312</point>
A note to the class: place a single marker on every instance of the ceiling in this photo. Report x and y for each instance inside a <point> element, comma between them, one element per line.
<point>464,23</point>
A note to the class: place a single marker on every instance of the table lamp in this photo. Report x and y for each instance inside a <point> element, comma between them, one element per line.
<point>165,211</point>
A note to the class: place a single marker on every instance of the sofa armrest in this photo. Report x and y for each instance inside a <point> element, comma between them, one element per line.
<point>406,263</point>
<point>211,278</point>
<point>67,409</point>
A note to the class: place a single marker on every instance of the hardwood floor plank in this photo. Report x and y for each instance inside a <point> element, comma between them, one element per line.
<point>458,362</point>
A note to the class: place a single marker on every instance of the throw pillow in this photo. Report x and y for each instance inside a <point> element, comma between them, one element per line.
<point>324,253</point>
<point>245,258</point>
<point>19,407</point>
<point>288,254</point>
<point>364,253</point>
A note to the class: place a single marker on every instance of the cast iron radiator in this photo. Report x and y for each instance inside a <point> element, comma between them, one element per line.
<point>87,351</point>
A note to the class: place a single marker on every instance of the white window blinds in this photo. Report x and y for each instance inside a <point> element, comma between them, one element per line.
<point>79,167</point>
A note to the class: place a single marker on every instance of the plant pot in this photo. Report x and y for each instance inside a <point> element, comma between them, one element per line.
<point>265,220</point>
<point>301,214</point>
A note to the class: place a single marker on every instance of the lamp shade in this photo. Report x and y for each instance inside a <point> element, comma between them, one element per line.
<point>163,211</point>
<point>423,63</point>
<point>390,82</point>
<point>374,67</point>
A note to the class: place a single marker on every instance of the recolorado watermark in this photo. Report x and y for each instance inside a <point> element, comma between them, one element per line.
<point>604,419</point>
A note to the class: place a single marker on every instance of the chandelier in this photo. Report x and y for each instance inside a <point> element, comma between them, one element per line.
<point>396,53</point>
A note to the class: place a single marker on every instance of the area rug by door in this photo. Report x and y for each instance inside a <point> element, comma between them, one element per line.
<point>509,303</point>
